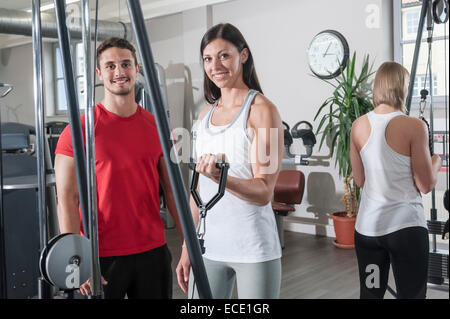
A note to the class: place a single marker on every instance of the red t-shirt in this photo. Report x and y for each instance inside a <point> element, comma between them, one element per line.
<point>127,152</point>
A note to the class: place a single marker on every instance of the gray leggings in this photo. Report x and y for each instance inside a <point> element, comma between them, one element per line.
<point>254,280</point>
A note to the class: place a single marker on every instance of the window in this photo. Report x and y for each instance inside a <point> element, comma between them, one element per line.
<point>60,87</point>
<point>406,21</point>
<point>412,22</point>
<point>422,81</point>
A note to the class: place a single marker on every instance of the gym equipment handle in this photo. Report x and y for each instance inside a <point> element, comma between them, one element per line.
<point>219,165</point>
<point>223,166</point>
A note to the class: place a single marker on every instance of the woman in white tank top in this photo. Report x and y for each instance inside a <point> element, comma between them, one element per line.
<point>391,162</point>
<point>244,127</point>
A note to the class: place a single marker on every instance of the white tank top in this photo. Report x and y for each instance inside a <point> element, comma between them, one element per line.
<point>390,200</point>
<point>236,230</point>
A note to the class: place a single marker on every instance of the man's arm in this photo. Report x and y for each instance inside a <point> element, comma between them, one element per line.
<point>167,189</point>
<point>67,190</point>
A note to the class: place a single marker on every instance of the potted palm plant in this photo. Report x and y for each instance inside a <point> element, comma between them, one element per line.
<point>351,98</point>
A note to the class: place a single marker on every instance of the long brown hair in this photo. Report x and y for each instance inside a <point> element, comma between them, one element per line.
<point>231,34</point>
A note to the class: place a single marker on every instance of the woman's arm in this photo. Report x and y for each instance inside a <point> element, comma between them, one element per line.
<point>355,158</point>
<point>266,154</point>
<point>425,167</point>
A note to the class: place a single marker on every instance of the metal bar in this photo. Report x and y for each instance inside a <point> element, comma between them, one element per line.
<point>438,38</point>
<point>96,286</point>
<point>158,110</point>
<point>39,109</point>
<point>72,107</point>
<point>19,22</point>
<point>3,283</point>
<point>423,12</point>
<point>44,291</point>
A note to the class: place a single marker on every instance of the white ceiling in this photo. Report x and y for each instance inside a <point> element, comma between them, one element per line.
<point>113,10</point>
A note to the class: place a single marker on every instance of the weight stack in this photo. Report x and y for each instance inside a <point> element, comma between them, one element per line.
<point>438,267</point>
<point>436,227</point>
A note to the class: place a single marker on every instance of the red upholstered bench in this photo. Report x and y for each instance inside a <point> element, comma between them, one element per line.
<point>288,192</point>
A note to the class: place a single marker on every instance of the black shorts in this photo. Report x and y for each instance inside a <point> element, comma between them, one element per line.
<point>146,275</point>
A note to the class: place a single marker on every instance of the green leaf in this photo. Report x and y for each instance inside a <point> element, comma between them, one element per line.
<point>350,99</point>
<point>327,101</point>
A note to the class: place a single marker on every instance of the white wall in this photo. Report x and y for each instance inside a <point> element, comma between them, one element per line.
<point>16,66</point>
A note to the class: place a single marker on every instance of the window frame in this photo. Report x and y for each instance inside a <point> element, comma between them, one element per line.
<point>438,100</point>
<point>78,75</point>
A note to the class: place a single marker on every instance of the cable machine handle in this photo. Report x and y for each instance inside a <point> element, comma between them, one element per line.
<point>223,166</point>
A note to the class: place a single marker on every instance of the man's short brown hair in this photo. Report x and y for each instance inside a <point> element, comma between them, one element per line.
<point>115,43</point>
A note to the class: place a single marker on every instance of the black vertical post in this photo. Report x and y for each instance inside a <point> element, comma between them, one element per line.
<point>74,114</point>
<point>158,110</point>
<point>423,13</point>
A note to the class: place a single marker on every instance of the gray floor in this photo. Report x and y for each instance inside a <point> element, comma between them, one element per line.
<point>312,269</point>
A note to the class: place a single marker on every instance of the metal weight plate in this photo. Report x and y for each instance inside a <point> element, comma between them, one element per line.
<point>68,262</point>
<point>43,256</point>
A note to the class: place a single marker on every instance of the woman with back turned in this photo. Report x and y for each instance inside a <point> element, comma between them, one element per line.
<point>391,160</point>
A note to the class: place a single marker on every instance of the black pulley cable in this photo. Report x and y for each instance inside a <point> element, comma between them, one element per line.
<point>422,105</point>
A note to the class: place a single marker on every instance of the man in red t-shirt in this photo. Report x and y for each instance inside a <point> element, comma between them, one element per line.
<point>134,258</point>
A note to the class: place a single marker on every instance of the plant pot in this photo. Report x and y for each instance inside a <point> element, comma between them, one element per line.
<point>344,228</point>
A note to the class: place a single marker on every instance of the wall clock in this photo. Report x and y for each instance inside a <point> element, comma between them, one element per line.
<point>328,52</point>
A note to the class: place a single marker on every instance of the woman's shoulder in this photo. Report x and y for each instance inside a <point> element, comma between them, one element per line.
<point>262,106</point>
<point>407,122</point>
<point>361,121</point>
<point>203,112</point>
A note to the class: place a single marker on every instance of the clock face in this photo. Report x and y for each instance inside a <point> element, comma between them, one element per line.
<point>327,52</point>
